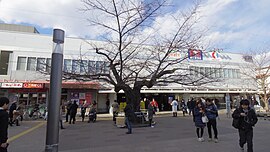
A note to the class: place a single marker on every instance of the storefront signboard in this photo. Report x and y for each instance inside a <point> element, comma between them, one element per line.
<point>33,85</point>
<point>11,85</point>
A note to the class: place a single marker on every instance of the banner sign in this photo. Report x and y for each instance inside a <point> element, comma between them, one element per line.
<point>194,54</point>
<point>33,85</point>
<point>11,85</point>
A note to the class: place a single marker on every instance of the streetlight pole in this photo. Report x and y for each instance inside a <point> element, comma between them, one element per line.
<point>52,135</point>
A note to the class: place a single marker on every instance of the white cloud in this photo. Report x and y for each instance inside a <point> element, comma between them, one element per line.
<point>233,24</point>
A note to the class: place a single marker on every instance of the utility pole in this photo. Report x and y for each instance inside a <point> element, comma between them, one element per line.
<point>52,135</point>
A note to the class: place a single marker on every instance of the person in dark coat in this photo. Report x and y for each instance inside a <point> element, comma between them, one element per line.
<point>128,117</point>
<point>73,112</point>
<point>211,113</point>
<point>191,105</point>
<point>199,111</point>
<point>12,108</point>
<point>150,111</point>
<point>4,124</point>
<point>247,120</point>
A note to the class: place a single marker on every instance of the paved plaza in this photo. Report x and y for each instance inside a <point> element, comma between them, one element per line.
<point>171,134</point>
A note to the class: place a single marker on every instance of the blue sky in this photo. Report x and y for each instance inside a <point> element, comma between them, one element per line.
<point>234,25</point>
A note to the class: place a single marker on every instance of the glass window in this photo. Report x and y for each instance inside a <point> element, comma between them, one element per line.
<point>217,71</point>
<point>75,66</point>
<point>230,73</point>
<point>67,65</point>
<point>83,67</point>
<point>99,66</point>
<point>197,71</point>
<point>92,67</point>
<point>48,65</point>
<point>221,73</point>
<point>234,73</point>
<point>21,63</point>
<point>226,73</point>
<point>41,64</point>
<point>107,68</point>
<point>238,73</point>
<point>202,70</point>
<point>31,64</point>
<point>192,68</point>
<point>207,71</point>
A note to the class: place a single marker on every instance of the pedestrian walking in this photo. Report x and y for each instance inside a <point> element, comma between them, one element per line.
<point>115,107</point>
<point>247,119</point>
<point>155,105</point>
<point>4,124</point>
<point>83,110</point>
<point>199,111</point>
<point>60,116</point>
<point>129,115</point>
<point>150,112</point>
<point>12,108</point>
<point>73,112</point>
<point>211,113</point>
<point>68,107</point>
<point>192,105</point>
<point>174,107</point>
<point>183,107</point>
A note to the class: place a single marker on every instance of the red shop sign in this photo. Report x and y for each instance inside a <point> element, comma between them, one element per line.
<point>33,85</point>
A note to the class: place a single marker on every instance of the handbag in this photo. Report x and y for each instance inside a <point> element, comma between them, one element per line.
<point>204,119</point>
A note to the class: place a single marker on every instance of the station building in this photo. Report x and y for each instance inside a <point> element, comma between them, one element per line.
<point>24,54</point>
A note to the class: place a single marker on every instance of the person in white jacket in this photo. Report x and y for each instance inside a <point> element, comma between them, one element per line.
<point>174,107</point>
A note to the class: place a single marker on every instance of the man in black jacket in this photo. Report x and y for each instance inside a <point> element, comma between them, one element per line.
<point>247,120</point>
<point>3,124</point>
<point>128,117</point>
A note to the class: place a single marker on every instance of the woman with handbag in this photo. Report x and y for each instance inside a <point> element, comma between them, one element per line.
<point>199,115</point>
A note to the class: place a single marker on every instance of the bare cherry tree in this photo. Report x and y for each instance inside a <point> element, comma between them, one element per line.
<point>259,71</point>
<point>136,52</point>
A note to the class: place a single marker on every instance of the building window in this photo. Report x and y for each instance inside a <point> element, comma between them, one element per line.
<point>48,65</point>
<point>208,71</point>
<point>4,62</point>
<point>67,65</point>
<point>202,70</point>
<point>230,73</point>
<point>218,72</point>
<point>21,63</point>
<point>92,67</point>
<point>107,68</point>
<point>226,73</point>
<point>31,64</point>
<point>238,73</point>
<point>41,64</point>
<point>83,67</point>
<point>75,66</point>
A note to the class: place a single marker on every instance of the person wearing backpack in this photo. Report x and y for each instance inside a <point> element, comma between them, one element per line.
<point>244,120</point>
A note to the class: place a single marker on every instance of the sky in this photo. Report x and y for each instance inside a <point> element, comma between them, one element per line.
<point>235,26</point>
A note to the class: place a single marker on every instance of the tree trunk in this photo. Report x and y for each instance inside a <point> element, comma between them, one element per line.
<point>133,97</point>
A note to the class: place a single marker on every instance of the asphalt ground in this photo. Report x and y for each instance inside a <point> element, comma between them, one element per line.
<point>170,134</point>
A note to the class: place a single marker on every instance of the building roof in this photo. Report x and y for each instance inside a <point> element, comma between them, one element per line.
<point>18,28</point>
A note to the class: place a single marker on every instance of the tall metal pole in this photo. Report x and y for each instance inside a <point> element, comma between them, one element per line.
<point>52,135</point>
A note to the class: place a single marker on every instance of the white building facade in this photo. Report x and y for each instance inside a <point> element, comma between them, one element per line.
<point>24,55</point>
